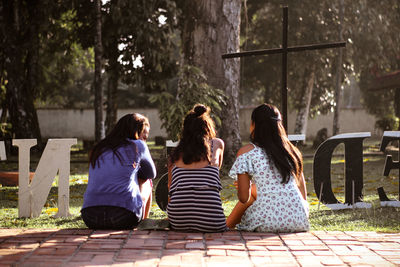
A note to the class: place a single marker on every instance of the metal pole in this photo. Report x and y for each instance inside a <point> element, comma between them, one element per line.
<point>284,67</point>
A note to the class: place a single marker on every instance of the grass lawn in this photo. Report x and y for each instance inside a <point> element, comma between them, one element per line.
<point>381,219</point>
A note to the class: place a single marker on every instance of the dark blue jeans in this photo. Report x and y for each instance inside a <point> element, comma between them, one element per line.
<point>109,217</point>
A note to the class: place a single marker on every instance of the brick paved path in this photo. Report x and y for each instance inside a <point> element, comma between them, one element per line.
<point>41,247</point>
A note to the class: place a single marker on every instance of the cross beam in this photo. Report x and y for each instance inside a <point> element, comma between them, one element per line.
<point>280,50</point>
<point>284,51</point>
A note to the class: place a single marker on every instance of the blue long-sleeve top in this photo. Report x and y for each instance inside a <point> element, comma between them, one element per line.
<point>114,182</point>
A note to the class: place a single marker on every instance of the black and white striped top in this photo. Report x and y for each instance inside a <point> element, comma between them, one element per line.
<point>195,203</point>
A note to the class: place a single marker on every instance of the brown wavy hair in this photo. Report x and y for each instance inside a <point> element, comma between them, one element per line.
<point>270,135</point>
<point>129,126</point>
<point>198,130</point>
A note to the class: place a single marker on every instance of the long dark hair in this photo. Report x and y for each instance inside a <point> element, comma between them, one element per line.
<point>198,130</point>
<point>270,135</point>
<point>129,126</point>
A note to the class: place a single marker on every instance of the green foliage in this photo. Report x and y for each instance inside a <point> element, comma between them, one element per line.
<point>192,89</point>
<point>387,123</point>
<point>376,53</point>
<point>5,130</point>
<point>67,78</point>
<point>370,31</point>
<point>27,32</point>
<point>309,23</point>
<point>132,30</point>
<point>3,92</point>
<point>63,72</point>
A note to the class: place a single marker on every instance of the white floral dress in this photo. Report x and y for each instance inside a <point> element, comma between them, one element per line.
<point>279,207</point>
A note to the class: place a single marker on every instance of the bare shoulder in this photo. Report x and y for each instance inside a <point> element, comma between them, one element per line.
<point>217,142</point>
<point>245,149</point>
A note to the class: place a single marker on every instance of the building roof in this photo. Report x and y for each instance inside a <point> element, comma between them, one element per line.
<point>387,81</point>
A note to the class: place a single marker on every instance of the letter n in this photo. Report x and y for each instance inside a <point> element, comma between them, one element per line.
<point>55,159</point>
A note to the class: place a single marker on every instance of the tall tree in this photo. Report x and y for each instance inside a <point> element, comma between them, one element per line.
<point>66,32</point>
<point>113,72</point>
<point>138,46</point>
<point>369,28</point>
<point>98,65</point>
<point>209,29</point>
<point>303,111</point>
<point>35,53</point>
<point>336,126</point>
<point>310,80</point>
<point>20,49</point>
<point>373,30</point>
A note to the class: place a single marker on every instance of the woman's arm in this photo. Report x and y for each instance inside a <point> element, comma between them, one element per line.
<point>147,168</point>
<point>302,186</point>
<point>243,182</point>
<point>169,176</point>
<point>244,189</point>
<point>217,156</point>
<point>246,193</point>
<point>240,208</point>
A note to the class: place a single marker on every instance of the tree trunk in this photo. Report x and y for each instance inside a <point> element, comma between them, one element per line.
<point>98,90</point>
<point>303,111</point>
<point>210,29</point>
<point>112,87</point>
<point>21,68</point>
<point>336,126</point>
<point>33,64</point>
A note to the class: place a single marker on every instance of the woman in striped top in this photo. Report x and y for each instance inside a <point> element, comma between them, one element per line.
<point>193,177</point>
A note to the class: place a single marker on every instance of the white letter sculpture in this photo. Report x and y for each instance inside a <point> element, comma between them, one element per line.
<point>55,158</point>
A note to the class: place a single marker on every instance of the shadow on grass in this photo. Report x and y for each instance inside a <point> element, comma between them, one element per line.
<point>75,220</point>
<point>9,196</point>
<point>379,219</point>
<point>9,210</point>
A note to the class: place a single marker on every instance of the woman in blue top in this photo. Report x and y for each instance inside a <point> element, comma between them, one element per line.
<point>118,194</point>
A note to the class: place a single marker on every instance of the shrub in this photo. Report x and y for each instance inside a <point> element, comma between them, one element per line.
<point>192,89</point>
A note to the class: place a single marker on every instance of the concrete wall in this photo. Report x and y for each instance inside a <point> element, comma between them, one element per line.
<point>350,121</point>
<point>79,123</point>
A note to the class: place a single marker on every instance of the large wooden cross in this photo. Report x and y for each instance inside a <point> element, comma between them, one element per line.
<point>284,51</point>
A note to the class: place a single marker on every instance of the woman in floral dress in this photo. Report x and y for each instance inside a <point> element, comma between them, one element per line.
<point>269,179</point>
